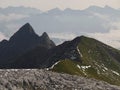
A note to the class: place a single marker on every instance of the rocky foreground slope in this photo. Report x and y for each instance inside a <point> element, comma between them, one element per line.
<point>46,80</point>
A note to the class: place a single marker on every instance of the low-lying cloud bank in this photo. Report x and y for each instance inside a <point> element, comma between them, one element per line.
<point>111,38</point>
<point>11,17</point>
<point>64,35</point>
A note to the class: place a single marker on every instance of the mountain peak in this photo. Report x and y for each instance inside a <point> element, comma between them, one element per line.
<point>28,24</point>
<point>46,40</point>
<point>26,28</point>
<point>45,34</point>
<point>25,31</point>
<point>45,37</point>
<point>106,6</point>
<point>68,9</point>
<point>55,9</point>
<point>77,39</point>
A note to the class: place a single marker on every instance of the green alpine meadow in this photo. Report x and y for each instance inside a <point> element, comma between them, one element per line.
<point>97,60</point>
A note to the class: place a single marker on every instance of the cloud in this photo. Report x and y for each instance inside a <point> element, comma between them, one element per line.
<point>64,35</point>
<point>102,16</point>
<point>12,26</point>
<point>11,17</point>
<point>111,38</point>
<point>2,36</point>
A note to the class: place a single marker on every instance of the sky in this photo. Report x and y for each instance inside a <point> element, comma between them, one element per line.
<point>62,4</point>
<point>111,23</point>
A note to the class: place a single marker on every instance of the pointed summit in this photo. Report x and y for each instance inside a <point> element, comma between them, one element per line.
<point>26,28</point>
<point>68,9</point>
<point>25,32</point>
<point>54,10</point>
<point>24,40</point>
<point>46,40</point>
<point>106,6</point>
<point>45,35</point>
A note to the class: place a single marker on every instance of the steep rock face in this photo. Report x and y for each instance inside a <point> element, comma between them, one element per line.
<point>31,59</point>
<point>24,32</point>
<point>44,39</point>
<point>24,40</point>
<point>46,80</point>
<point>68,50</point>
<point>46,58</point>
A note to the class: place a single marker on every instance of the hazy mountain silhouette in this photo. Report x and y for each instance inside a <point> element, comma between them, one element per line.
<point>20,10</point>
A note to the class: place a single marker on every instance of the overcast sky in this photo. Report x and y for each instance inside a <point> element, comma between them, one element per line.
<point>62,4</point>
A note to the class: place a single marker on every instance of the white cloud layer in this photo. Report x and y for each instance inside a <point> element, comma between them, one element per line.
<point>111,38</point>
<point>12,26</point>
<point>12,17</point>
<point>65,35</point>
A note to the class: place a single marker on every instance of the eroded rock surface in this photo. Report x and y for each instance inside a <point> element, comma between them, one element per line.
<point>35,79</point>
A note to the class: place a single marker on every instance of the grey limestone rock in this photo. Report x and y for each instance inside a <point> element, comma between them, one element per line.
<point>35,79</point>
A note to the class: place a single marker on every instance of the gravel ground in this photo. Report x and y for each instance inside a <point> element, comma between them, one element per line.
<point>35,79</point>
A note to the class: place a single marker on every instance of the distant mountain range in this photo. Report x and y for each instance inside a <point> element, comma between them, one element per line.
<point>20,10</point>
<point>82,56</point>
<point>56,19</point>
<point>94,19</point>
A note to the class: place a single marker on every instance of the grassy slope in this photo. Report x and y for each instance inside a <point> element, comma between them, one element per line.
<point>94,54</point>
